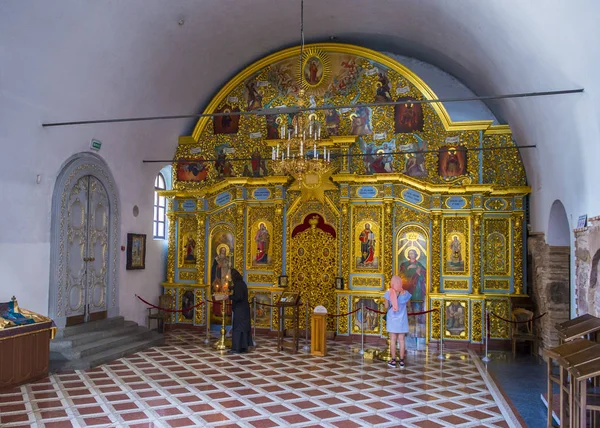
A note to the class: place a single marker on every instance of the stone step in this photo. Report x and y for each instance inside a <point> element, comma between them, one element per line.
<point>112,341</point>
<point>73,341</point>
<point>87,327</point>
<point>108,355</point>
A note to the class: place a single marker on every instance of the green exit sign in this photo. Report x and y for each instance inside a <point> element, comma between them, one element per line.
<point>95,145</point>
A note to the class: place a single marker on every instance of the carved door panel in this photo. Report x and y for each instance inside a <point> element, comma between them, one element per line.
<point>86,251</point>
<point>313,270</point>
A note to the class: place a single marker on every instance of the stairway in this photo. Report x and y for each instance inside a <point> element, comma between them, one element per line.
<point>83,346</point>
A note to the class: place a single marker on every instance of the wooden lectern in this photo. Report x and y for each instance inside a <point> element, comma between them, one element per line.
<point>318,325</point>
<point>291,301</point>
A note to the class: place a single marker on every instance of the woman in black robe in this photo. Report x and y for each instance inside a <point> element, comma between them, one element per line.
<point>241,337</point>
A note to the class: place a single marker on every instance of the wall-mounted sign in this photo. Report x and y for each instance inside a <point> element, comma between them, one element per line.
<point>456,202</point>
<point>223,198</point>
<point>261,193</point>
<point>189,205</point>
<point>412,196</point>
<point>366,192</point>
<point>95,145</point>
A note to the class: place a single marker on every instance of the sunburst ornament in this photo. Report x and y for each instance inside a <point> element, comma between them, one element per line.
<point>316,68</point>
<point>312,185</point>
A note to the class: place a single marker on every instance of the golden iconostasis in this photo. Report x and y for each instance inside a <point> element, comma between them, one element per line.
<point>409,193</point>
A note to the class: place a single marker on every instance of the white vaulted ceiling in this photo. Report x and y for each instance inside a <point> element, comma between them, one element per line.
<point>66,60</point>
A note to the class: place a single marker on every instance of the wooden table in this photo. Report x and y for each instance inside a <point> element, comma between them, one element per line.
<point>560,353</point>
<point>586,327</point>
<point>580,375</point>
<point>563,325</point>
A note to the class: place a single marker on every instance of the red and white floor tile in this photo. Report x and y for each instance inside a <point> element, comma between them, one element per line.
<point>187,383</point>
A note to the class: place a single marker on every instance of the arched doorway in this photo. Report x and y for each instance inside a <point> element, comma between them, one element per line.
<point>84,242</point>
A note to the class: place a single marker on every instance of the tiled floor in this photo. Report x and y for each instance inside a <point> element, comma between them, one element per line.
<point>187,383</point>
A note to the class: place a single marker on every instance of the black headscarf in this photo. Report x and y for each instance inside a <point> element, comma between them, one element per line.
<point>236,276</point>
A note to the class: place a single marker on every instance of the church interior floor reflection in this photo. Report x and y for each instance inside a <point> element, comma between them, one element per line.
<point>188,383</point>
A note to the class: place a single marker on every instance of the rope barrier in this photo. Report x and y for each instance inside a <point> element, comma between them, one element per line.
<point>343,315</point>
<point>518,322</point>
<point>170,310</point>
<point>409,314</point>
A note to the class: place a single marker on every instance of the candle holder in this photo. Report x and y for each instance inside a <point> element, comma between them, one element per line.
<point>223,343</point>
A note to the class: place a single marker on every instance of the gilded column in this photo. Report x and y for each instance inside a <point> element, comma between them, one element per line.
<point>239,236</point>
<point>346,242</point>
<point>278,247</point>
<point>388,241</point>
<point>517,220</point>
<point>436,257</point>
<point>476,277</point>
<point>200,255</point>
<point>171,246</point>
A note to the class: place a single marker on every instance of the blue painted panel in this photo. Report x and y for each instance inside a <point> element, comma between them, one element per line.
<point>223,198</point>
<point>189,205</point>
<point>367,192</point>
<point>456,202</point>
<point>261,193</point>
<point>412,196</point>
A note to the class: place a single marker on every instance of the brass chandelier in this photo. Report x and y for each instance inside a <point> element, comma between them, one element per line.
<point>297,152</point>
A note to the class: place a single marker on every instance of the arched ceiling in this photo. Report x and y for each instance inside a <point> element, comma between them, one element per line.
<point>74,59</point>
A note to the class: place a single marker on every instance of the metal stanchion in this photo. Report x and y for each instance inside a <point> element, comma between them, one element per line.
<point>306,346</point>
<point>207,339</point>
<point>487,321</point>
<point>254,332</point>
<point>362,328</point>
<point>442,328</point>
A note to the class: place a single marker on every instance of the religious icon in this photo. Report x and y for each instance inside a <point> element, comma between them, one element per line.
<point>368,320</point>
<point>455,318</point>
<point>228,123</point>
<point>378,159</point>
<point>332,122</point>
<point>415,161</point>
<point>190,249</point>
<point>408,116</point>
<point>192,170</point>
<point>253,96</point>
<point>263,312</point>
<point>361,121</point>
<point>455,257</point>
<point>382,94</point>
<point>412,268</point>
<point>187,302</point>
<point>367,257</point>
<point>313,71</point>
<point>222,164</point>
<point>258,165</point>
<point>136,251</point>
<point>272,127</point>
<point>262,239</point>
<point>452,161</point>
<point>221,249</point>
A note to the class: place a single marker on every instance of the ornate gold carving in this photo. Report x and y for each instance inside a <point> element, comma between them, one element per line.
<point>436,257</point>
<point>277,244</point>
<point>239,236</point>
<point>313,267</point>
<point>342,322</point>
<point>518,252</point>
<point>171,292</point>
<point>518,202</point>
<point>476,277</point>
<point>435,319</point>
<point>200,312</point>
<point>497,247</point>
<point>456,284</point>
<point>499,329</point>
<point>345,242</point>
<point>476,323</point>
<point>497,284</point>
<point>171,246</point>
<point>388,239</point>
<point>456,233</point>
<point>201,218</point>
<point>261,278</point>
<point>364,281</point>
<point>274,311</point>
<point>185,275</point>
<point>502,167</point>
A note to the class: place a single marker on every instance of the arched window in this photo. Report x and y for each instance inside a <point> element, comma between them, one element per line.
<point>160,208</point>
